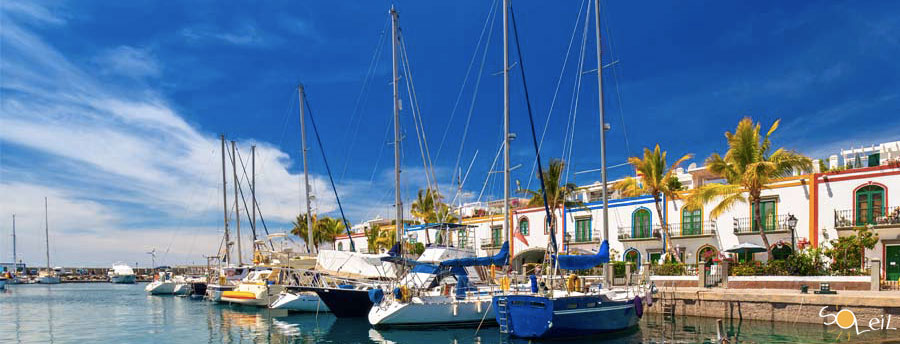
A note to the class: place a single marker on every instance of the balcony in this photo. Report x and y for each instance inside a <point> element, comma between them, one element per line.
<point>705,228</point>
<point>742,225</point>
<point>845,220</point>
<point>489,243</point>
<point>629,233</point>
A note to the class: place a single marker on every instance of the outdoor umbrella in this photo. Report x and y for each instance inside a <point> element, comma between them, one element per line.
<point>746,248</point>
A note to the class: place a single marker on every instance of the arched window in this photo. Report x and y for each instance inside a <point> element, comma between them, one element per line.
<point>633,256</point>
<point>781,251</point>
<point>523,226</point>
<point>869,204</point>
<point>707,254</point>
<point>641,224</point>
<point>340,246</point>
<point>691,221</point>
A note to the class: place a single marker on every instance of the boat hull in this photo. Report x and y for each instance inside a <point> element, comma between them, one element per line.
<point>258,295</point>
<point>300,302</point>
<point>541,317</point>
<point>123,279</point>
<point>432,311</point>
<point>48,280</point>
<point>214,291</point>
<point>345,303</point>
<point>160,288</point>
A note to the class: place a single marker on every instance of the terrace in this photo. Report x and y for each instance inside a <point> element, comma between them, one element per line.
<point>885,217</point>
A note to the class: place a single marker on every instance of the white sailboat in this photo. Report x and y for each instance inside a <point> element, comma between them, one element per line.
<point>48,276</point>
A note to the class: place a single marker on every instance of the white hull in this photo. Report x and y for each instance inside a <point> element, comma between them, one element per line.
<point>181,289</point>
<point>431,310</point>
<point>123,279</point>
<point>258,295</point>
<point>214,291</point>
<point>300,302</point>
<point>161,288</point>
<point>48,280</point>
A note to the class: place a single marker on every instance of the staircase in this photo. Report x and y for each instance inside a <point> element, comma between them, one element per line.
<point>503,314</point>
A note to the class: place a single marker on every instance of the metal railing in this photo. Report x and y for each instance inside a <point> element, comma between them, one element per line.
<point>691,230</point>
<point>490,243</point>
<point>631,233</point>
<point>845,218</point>
<point>742,224</point>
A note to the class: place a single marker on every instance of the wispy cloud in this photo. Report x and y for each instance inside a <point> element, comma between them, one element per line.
<point>129,61</point>
<point>246,34</point>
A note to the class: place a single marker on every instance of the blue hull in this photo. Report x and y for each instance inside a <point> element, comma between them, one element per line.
<point>529,316</point>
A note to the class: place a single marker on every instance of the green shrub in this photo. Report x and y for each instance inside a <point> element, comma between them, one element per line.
<point>670,269</point>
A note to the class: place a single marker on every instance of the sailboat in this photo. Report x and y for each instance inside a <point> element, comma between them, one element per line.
<point>576,309</point>
<point>48,276</point>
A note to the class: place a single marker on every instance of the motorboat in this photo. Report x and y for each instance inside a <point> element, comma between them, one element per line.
<point>121,274</point>
<point>299,301</point>
<point>259,289</point>
<point>164,283</point>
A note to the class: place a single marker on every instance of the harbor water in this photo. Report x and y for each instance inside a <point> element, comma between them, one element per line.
<point>109,313</point>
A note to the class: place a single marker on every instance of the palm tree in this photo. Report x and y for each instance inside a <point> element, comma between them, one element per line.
<point>748,165</point>
<point>325,229</point>
<point>429,208</point>
<point>557,194</point>
<point>378,239</point>
<point>657,179</point>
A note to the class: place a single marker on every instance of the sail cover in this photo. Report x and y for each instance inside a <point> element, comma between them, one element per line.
<point>569,262</point>
<point>499,259</point>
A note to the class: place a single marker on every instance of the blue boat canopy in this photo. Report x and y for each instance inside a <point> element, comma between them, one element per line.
<point>499,259</point>
<point>569,262</point>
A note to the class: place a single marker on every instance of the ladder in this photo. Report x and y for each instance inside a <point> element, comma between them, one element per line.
<point>503,314</point>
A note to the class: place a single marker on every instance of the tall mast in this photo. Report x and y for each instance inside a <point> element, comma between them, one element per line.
<point>507,229</point>
<point>398,201</point>
<point>309,221</point>
<point>47,233</point>
<point>237,207</point>
<point>253,192</point>
<point>225,205</point>
<point>608,269</point>
<point>14,240</point>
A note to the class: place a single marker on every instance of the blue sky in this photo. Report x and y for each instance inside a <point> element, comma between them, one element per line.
<point>112,110</point>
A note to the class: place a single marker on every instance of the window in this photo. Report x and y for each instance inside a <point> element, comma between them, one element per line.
<point>523,226</point>
<point>640,224</point>
<point>869,204</point>
<point>691,223</point>
<point>496,235</point>
<point>340,246</point>
<point>874,159</point>
<point>546,227</point>
<point>781,251</point>
<point>582,230</point>
<point>654,257</point>
<point>766,213</point>
<point>463,238</point>
<point>632,256</point>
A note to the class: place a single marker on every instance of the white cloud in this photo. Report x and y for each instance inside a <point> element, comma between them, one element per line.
<point>246,34</point>
<point>129,61</point>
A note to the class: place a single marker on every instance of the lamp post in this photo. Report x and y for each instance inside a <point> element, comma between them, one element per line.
<point>792,223</point>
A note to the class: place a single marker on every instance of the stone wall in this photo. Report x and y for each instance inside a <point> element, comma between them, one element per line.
<point>795,282</point>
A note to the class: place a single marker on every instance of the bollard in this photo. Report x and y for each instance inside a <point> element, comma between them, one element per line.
<point>628,273</point>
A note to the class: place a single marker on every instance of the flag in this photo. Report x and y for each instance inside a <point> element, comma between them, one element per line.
<point>518,235</point>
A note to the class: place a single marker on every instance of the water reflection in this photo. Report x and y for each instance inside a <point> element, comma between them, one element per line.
<point>105,313</point>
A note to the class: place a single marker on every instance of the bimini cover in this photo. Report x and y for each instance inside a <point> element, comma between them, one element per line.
<point>499,259</point>
<point>568,262</point>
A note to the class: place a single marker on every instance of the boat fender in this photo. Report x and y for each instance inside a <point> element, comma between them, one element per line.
<point>638,307</point>
<point>504,283</point>
<point>572,283</point>
<point>534,284</point>
<point>376,295</point>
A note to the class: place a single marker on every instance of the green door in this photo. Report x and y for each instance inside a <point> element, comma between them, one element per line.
<point>641,224</point>
<point>496,235</point>
<point>892,262</point>
<point>766,213</point>
<point>869,204</point>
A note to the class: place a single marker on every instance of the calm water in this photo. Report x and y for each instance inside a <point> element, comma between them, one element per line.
<point>93,313</point>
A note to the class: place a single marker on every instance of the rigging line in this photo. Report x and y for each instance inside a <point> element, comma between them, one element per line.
<point>491,169</point>
<point>330,178</point>
<point>609,41</point>
<point>387,131</point>
<point>253,189</point>
<point>181,219</point>
<point>570,135</point>
<point>537,151</point>
<point>463,179</point>
<point>363,97</point>
<point>491,14</point>
<point>556,91</point>
<point>484,54</point>
<point>416,116</point>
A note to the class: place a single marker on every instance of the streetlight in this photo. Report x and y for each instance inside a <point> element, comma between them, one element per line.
<point>792,223</point>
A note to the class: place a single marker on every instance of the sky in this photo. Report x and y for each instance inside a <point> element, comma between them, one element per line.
<point>112,110</point>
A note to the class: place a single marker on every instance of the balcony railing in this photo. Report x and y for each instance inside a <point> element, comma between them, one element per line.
<point>742,224</point>
<point>692,230</point>
<point>845,219</point>
<point>490,243</point>
<point>627,233</point>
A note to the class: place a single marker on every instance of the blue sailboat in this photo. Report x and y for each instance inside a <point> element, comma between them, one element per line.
<point>576,310</point>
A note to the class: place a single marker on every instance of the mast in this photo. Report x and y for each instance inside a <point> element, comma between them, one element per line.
<point>237,207</point>
<point>603,128</point>
<point>398,201</point>
<point>309,221</point>
<point>47,234</point>
<point>507,229</point>
<point>253,192</point>
<point>14,239</point>
<point>225,205</point>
